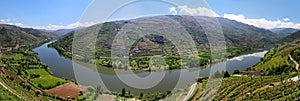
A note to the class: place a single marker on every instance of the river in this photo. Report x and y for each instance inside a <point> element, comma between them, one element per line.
<point>64,67</point>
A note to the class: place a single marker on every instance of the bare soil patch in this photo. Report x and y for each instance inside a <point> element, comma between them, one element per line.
<point>68,90</point>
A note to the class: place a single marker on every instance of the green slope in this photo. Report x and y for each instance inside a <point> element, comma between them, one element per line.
<point>238,35</point>
<point>11,35</point>
<point>240,38</point>
<point>277,60</point>
<point>291,37</point>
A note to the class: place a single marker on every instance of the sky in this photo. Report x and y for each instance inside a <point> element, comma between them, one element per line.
<point>65,14</point>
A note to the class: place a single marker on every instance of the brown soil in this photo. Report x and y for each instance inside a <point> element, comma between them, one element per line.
<point>68,90</point>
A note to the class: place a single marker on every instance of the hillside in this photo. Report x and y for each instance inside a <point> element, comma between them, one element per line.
<point>283,32</point>
<point>257,88</point>
<point>11,35</point>
<point>278,60</point>
<point>240,38</point>
<point>237,34</point>
<point>291,37</point>
<point>60,32</point>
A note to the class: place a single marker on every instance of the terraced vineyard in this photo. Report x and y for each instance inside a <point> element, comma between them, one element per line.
<point>21,88</point>
<point>253,88</point>
<point>6,95</point>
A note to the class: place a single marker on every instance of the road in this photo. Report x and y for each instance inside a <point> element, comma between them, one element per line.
<point>297,65</point>
<point>190,92</point>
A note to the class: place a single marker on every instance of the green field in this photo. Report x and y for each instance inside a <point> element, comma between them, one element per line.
<point>43,79</point>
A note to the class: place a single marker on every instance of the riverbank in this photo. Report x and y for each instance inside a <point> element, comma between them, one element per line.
<point>89,75</point>
<point>23,71</point>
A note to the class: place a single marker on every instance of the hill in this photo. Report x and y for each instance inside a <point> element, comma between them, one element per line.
<point>237,34</point>
<point>60,32</point>
<point>283,32</point>
<point>240,38</point>
<point>280,59</point>
<point>11,35</point>
<point>257,88</point>
<point>291,37</point>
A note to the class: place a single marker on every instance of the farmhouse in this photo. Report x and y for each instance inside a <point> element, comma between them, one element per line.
<point>2,70</point>
<point>296,78</point>
<point>254,73</point>
<point>2,49</point>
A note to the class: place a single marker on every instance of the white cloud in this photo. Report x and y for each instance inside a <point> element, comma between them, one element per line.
<point>5,20</point>
<point>10,22</point>
<point>50,26</point>
<point>18,24</point>
<point>286,19</point>
<point>262,22</point>
<point>173,10</point>
<point>200,11</point>
<point>70,26</point>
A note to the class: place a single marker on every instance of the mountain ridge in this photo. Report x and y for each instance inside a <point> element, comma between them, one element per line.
<point>11,35</point>
<point>238,36</point>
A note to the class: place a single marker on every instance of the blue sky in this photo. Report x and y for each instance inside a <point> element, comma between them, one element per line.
<point>56,14</point>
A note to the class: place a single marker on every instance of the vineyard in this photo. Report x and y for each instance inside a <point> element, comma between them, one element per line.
<point>277,60</point>
<point>251,88</point>
<point>6,95</point>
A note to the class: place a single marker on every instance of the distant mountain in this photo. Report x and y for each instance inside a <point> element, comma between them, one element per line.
<point>240,37</point>
<point>60,32</point>
<point>283,32</point>
<point>11,35</point>
<point>291,37</point>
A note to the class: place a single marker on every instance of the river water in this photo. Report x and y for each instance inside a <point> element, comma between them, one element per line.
<point>64,67</point>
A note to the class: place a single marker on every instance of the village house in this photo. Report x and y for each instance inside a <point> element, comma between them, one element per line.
<point>238,75</point>
<point>17,46</point>
<point>254,73</point>
<point>2,49</point>
<point>2,70</point>
<point>296,78</point>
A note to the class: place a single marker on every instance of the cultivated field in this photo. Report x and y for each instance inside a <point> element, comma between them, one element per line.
<point>68,90</point>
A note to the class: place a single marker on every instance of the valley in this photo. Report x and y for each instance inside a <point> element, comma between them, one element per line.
<point>260,64</point>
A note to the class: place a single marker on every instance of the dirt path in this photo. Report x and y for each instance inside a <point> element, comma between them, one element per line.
<point>190,92</point>
<point>297,65</point>
<point>10,90</point>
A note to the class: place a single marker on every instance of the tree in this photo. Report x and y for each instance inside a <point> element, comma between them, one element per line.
<point>141,95</point>
<point>114,66</point>
<point>123,92</point>
<point>134,63</point>
<point>226,74</point>
<point>236,72</point>
<point>217,74</point>
<point>120,66</point>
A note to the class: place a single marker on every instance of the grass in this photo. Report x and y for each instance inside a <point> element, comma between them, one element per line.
<point>45,80</point>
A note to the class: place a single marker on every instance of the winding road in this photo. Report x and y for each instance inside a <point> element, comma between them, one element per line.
<point>297,65</point>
